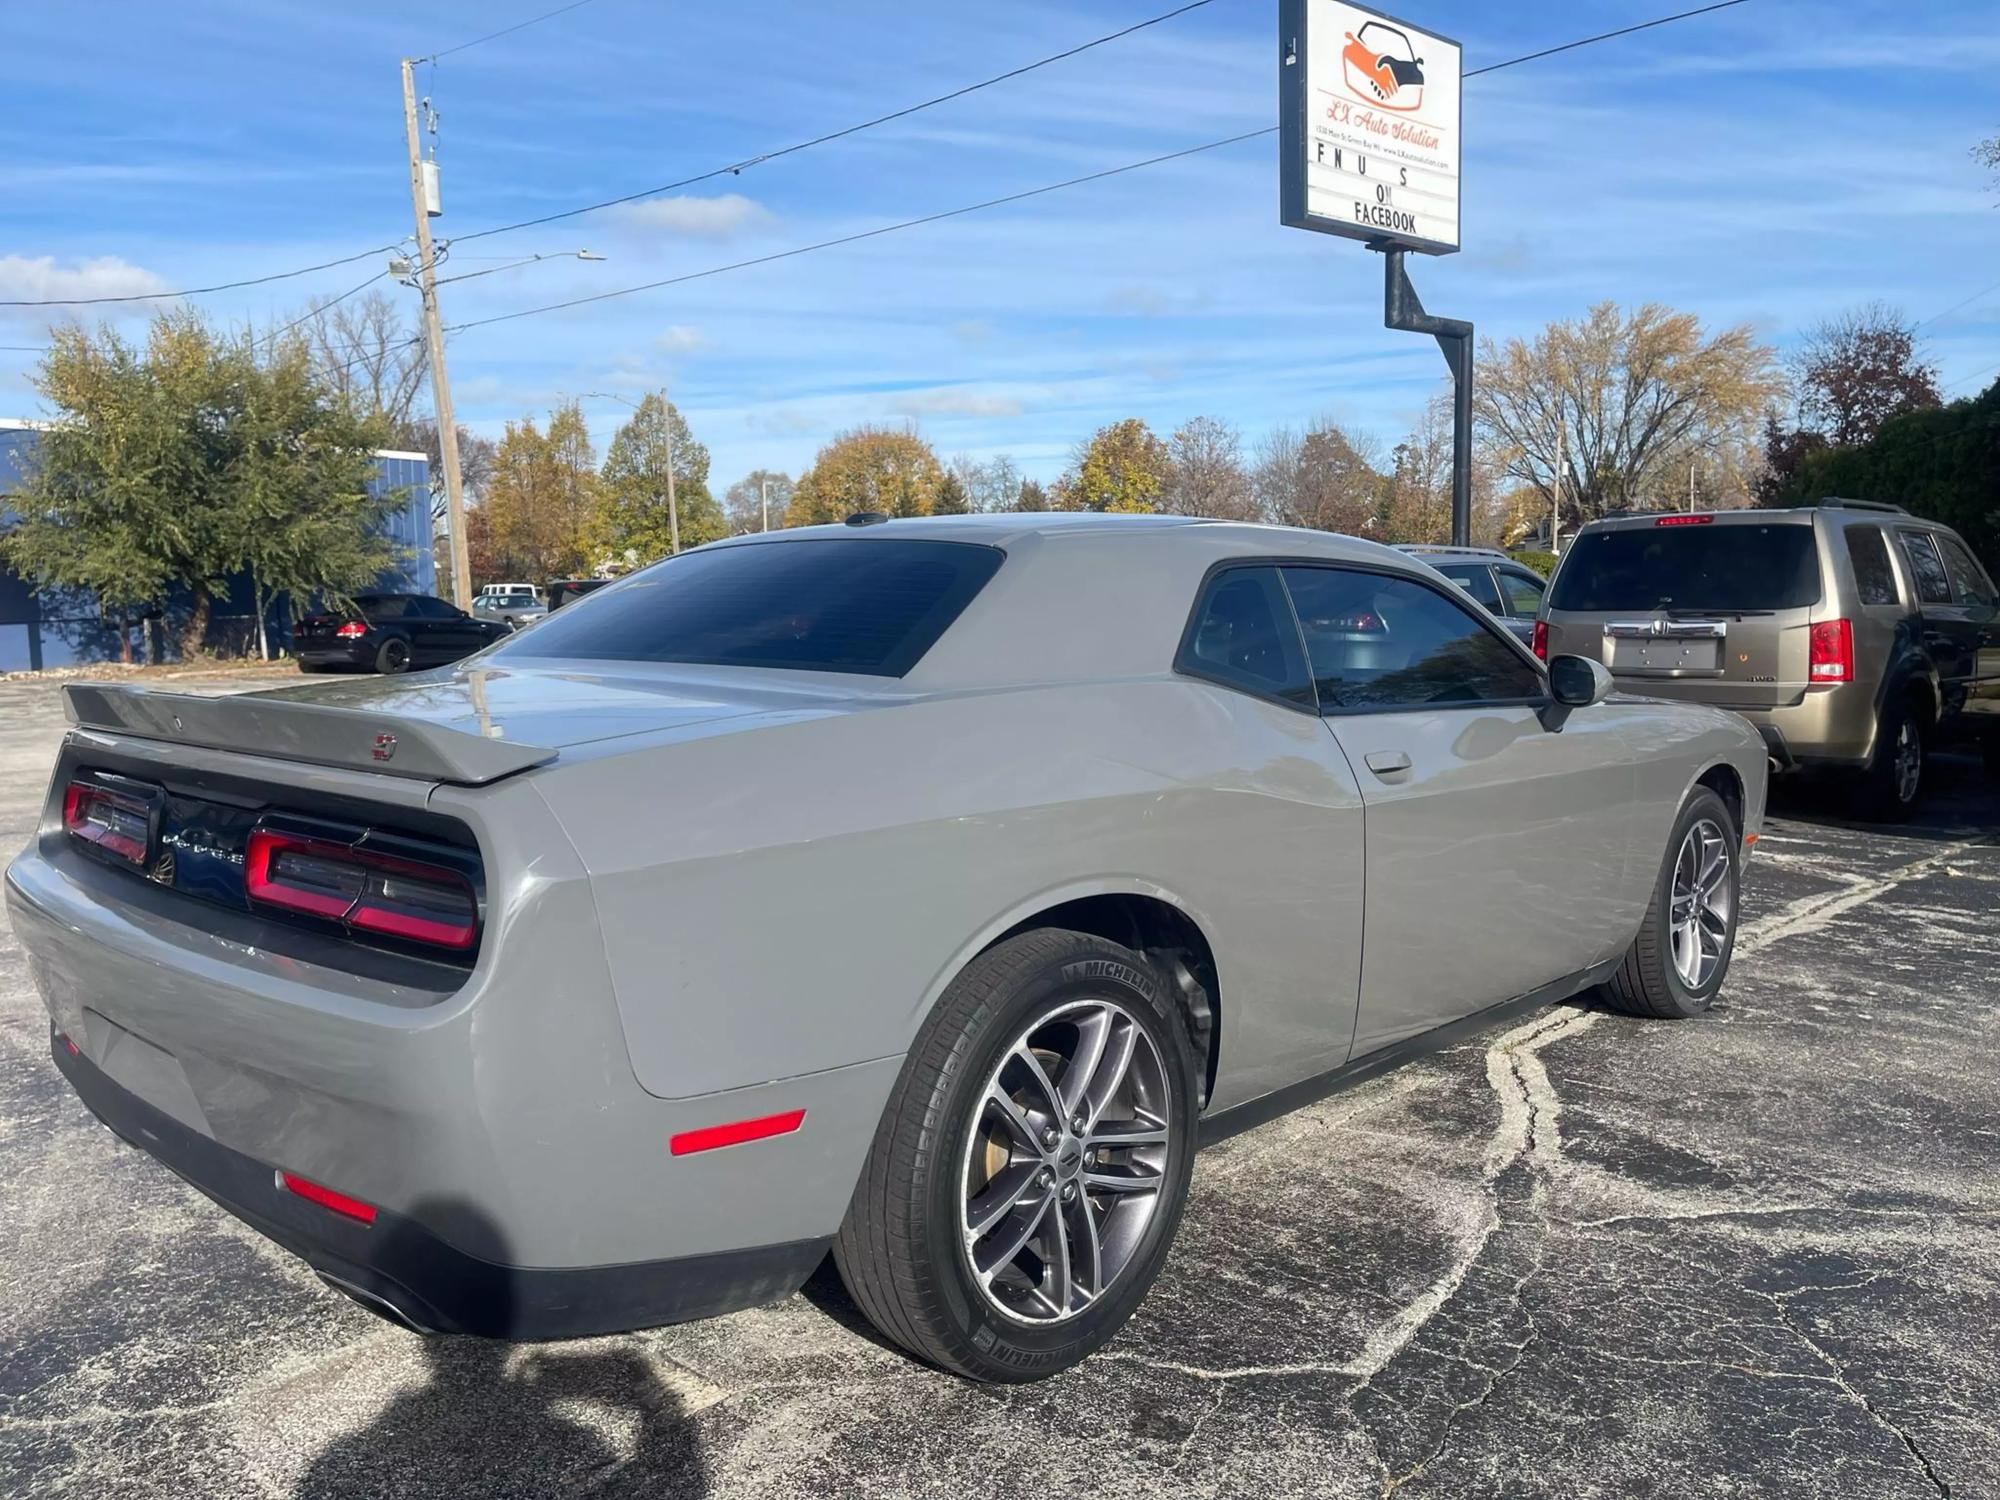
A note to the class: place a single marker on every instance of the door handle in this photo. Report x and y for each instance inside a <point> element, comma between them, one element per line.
<point>1387,762</point>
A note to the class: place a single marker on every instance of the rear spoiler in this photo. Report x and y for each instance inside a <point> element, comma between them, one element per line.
<point>256,724</point>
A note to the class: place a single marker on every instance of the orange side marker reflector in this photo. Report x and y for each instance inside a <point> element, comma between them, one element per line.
<point>326,1197</point>
<point>712,1137</point>
<point>1750,838</point>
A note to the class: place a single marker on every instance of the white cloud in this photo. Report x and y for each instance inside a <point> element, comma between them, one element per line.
<point>948,401</point>
<point>40,279</point>
<point>718,218</point>
<point>681,339</point>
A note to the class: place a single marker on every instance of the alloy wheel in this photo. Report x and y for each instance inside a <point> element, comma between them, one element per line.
<point>1909,760</point>
<point>1704,904</point>
<point>1065,1162</point>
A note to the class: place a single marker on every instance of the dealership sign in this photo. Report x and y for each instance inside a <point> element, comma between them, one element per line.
<point>1369,125</point>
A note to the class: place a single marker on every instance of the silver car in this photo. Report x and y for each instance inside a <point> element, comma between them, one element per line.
<point>1509,591</point>
<point>925,891</point>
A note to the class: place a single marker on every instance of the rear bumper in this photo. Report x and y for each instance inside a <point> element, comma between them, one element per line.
<point>343,654</point>
<point>403,1270</point>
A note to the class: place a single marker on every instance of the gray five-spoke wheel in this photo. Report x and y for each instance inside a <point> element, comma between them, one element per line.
<point>1704,903</point>
<point>1065,1161</point>
<point>1909,759</point>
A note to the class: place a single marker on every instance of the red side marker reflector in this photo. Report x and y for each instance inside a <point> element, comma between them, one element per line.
<point>326,1197</point>
<point>74,1050</point>
<point>712,1137</point>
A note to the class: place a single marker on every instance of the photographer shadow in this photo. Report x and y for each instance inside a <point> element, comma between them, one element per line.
<point>494,1418</point>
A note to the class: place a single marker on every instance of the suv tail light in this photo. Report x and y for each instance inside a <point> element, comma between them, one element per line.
<point>353,630</point>
<point>1685,520</point>
<point>1541,641</point>
<point>114,822</point>
<point>360,888</point>
<point>1832,657</point>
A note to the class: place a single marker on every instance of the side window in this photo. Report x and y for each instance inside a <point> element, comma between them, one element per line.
<point>1523,591</point>
<point>390,607</point>
<point>1243,636</point>
<point>1926,567</point>
<point>1477,580</point>
<point>1377,641</point>
<point>1874,578</point>
<point>1974,587</point>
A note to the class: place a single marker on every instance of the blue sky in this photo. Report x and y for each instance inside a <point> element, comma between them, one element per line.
<point>1772,163</point>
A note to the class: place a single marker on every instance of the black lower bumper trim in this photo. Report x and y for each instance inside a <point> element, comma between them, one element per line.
<point>403,1270</point>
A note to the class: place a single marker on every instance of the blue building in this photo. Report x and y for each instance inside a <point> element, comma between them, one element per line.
<point>63,628</point>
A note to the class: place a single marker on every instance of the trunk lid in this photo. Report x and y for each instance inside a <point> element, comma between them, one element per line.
<point>468,726</point>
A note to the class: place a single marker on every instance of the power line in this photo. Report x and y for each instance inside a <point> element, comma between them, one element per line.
<point>1957,305</point>
<point>972,208</point>
<point>277,333</point>
<point>737,168</point>
<point>198,291</point>
<point>493,36</point>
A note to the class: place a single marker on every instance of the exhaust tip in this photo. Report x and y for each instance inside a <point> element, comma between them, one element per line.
<point>379,1305</point>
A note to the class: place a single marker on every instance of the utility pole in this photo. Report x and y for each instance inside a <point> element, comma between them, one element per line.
<point>1690,486</point>
<point>1402,310</point>
<point>447,425</point>
<point>764,492</point>
<point>1556,496</point>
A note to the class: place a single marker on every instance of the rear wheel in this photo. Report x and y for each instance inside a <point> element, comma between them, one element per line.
<point>1677,962</point>
<point>393,657</point>
<point>1894,779</point>
<point>1032,1165</point>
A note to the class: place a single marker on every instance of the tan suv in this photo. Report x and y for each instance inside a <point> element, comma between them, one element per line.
<point>1850,633</point>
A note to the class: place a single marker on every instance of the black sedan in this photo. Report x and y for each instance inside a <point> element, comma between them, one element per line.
<point>392,633</point>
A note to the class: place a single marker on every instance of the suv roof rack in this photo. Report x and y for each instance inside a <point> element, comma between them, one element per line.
<point>1425,549</point>
<point>1837,502</point>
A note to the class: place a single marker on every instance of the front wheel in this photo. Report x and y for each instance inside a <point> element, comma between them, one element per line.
<point>1677,962</point>
<point>1030,1170</point>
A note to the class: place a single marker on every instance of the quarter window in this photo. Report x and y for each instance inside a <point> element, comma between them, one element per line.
<point>1926,567</point>
<point>1874,578</point>
<point>1974,587</point>
<point>1524,593</point>
<point>1377,641</point>
<point>1243,636</point>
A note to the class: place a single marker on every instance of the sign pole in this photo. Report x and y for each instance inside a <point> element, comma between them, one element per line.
<point>1404,311</point>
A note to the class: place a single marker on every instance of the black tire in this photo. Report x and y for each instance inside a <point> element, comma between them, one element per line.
<point>1649,982</point>
<point>902,1250</point>
<point>392,656</point>
<point>1885,795</point>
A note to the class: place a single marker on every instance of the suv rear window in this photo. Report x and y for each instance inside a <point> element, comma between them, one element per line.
<point>1703,567</point>
<point>820,605</point>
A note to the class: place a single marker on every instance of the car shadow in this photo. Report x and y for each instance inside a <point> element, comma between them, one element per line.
<point>829,1295</point>
<point>1961,799</point>
<point>495,1418</point>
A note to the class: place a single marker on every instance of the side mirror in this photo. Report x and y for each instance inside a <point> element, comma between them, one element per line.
<point>1574,682</point>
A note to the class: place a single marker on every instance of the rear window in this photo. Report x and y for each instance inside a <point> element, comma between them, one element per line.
<point>821,605</point>
<point>1714,567</point>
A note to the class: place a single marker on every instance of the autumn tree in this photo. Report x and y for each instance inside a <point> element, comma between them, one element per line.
<point>631,519</point>
<point>1205,473</point>
<point>1417,494</point>
<point>1324,478</point>
<point>540,499</point>
<point>1122,468</point>
<point>744,505</point>
<point>885,469</point>
<point>1854,372</point>
<point>992,485</point>
<point>1628,396</point>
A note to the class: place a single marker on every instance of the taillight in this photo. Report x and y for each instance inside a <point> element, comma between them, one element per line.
<point>1684,520</point>
<point>353,630</point>
<point>1541,640</point>
<point>1832,655</point>
<point>118,824</point>
<point>375,892</point>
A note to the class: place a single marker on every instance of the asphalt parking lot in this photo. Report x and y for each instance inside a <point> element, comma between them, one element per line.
<point>1757,1254</point>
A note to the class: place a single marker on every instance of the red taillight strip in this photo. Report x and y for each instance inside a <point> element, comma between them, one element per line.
<point>713,1137</point>
<point>1685,521</point>
<point>259,886</point>
<point>326,1197</point>
<point>420,929</point>
<point>77,799</point>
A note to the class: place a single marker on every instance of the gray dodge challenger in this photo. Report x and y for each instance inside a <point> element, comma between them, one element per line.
<point>922,891</point>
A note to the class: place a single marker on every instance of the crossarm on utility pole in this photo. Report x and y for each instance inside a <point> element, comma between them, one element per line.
<point>1404,311</point>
